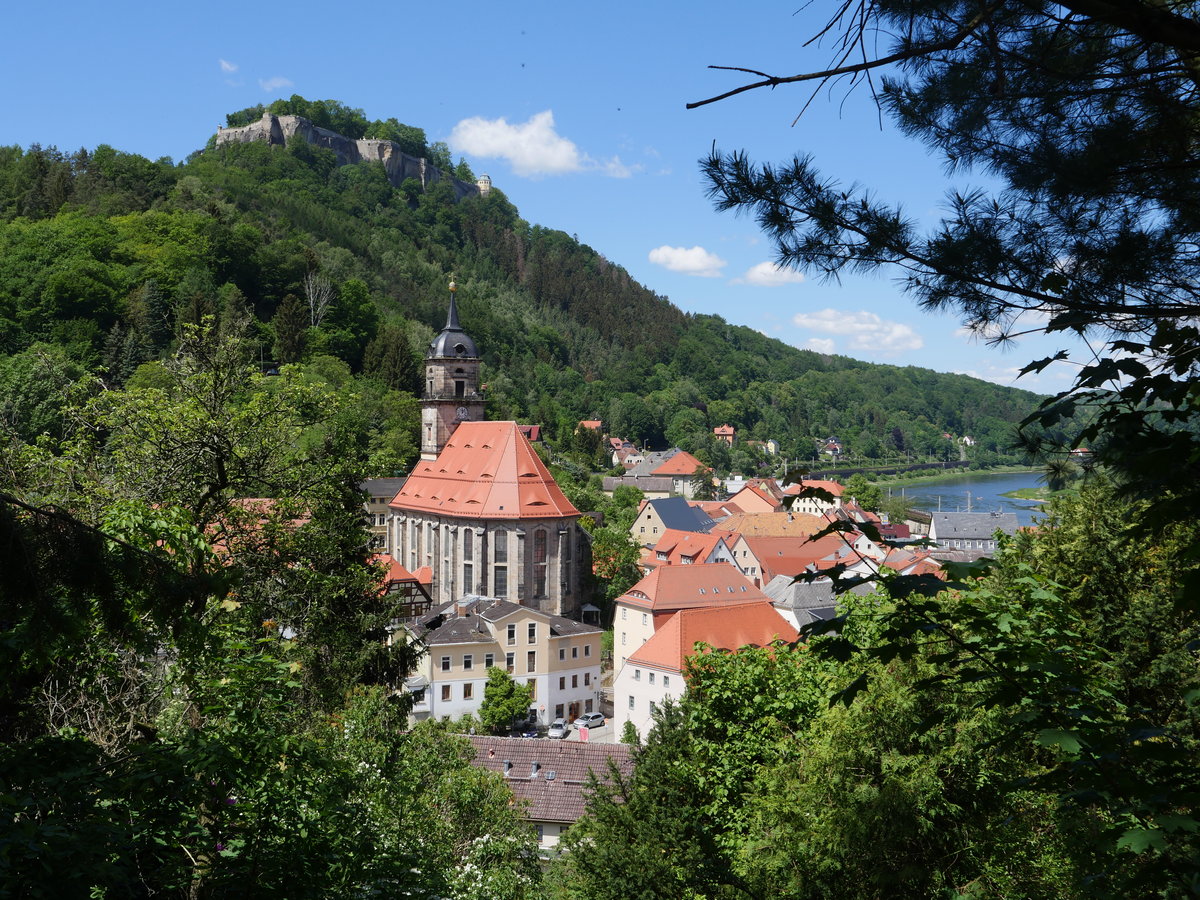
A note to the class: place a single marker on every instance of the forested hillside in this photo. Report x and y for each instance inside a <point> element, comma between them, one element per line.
<point>105,255</point>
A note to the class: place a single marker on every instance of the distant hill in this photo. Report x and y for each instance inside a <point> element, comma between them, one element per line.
<point>105,253</point>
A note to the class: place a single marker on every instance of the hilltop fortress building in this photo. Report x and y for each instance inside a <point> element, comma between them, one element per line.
<point>480,508</point>
<point>278,130</point>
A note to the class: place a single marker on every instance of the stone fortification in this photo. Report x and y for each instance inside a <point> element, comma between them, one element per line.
<point>278,130</point>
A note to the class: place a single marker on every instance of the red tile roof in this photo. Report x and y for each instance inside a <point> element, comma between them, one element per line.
<point>832,486</point>
<point>681,463</point>
<point>487,470</point>
<point>680,545</point>
<point>594,424</point>
<point>683,587</point>
<point>726,627</point>
<point>773,524</point>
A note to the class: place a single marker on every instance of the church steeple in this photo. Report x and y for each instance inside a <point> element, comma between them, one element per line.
<point>452,392</point>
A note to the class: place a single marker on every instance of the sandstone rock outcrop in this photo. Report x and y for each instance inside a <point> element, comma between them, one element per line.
<point>278,130</point>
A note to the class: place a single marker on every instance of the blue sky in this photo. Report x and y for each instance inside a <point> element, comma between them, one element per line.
<point>576,111</point>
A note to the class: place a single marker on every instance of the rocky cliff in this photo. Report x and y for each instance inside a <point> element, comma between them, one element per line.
<point>279,130</point>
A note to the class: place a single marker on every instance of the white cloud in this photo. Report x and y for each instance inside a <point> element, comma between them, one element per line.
<point>821,345</point>
<point>688,260</point>
<point>767,274</point>
<point>865,330</point>
<point>274,84</point>
<point>532,148</point>
<point>227,66</point>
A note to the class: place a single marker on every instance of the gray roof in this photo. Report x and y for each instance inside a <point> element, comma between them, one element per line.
<point>655,483</point>
<point>452,341</point>
<point>810,601</point>
<point>381,487</point>
<point>445,626</point>
<point>652,461</point>
<point>557,797</point>
<point>677,513</point>
<point>972,526</point>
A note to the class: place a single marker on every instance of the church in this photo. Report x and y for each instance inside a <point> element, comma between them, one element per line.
<point>480,508</point>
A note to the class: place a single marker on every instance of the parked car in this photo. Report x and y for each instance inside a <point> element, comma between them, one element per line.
<point>529,730</point>
<point>559,729</point>
<point>590,720</point>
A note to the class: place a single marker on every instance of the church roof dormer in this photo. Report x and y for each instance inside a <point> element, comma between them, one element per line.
<point>452,342</point>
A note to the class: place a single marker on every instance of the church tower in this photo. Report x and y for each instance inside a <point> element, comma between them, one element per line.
<point>451,384</point>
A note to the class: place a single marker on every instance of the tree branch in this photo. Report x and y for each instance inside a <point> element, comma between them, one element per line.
<point>773,81</point>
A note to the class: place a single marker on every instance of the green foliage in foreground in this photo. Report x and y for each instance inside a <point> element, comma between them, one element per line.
<point>199,699</point>
<point>1033,733</point>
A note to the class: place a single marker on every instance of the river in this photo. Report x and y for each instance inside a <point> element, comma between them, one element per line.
<point>984,491</point>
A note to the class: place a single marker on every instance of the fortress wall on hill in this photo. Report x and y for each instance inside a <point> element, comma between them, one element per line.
<point>278,130</point>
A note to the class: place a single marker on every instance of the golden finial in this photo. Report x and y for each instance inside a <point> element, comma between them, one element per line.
<point>453,286</point>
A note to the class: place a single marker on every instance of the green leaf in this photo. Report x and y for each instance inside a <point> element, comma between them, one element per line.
<point>1140,840</point>
<point>1068,741</point>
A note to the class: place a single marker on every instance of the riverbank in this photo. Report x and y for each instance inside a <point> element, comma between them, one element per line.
<point>953,477</point>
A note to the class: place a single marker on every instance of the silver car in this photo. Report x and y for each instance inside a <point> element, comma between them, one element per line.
<point>559,729</point>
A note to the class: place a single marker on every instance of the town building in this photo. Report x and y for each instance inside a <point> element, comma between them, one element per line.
<point>646,606</point>
<point>480,509</point>
<point>970,530</point>
<point>656,516</point>
<point>464,638</point>
<point>550,778</point>
<point>653,673</point>
<point>379,492</point>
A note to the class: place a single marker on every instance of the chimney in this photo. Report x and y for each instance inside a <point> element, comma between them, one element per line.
<point>507,766</point>
<point>533,769</point>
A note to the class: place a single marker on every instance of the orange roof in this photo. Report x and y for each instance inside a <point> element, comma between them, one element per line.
<point>832,486</point>
<point>683,587</point>
<point>725,627</point>
<point>723,429</point>
<point>773,524</point>
<point>681,463</point>
<point>397,572</point>
<point>791,556</point>
<point>679,545</point>
<point>487,470</point>
<point>594,424</point>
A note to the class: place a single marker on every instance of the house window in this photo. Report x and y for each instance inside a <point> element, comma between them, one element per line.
<point>562,653</point>
<point>500,548</point>
<point>489,660</point>
<point>558,710</point>
<point>468,691</point>
<point>446,692</point>
<point>651,675</point>
<point>562,682</point>
<point>622,639</point>
<point>512,634</point>
<point>666,682</point>
<point>510,662</point>
<point>587,649</point>
<point>587,679</point>
<point>468,661</point>
<point>643,618</point>
<point>500,574</point>
<point>574,681</point>
<point>533,632</point>
<point>637,674</point>
<point>532,682</point>
<point>631,701</point>
<point>468,545</point>
<point>624,613</point>
<point>445,664</point>
<point>574,653</point>
<point>531,661</point>
<point>653,707</point>
<point>587,705</point>
<point>468,577</point>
